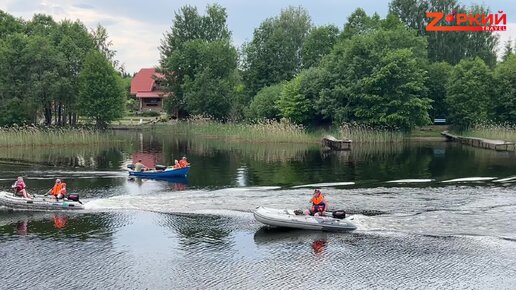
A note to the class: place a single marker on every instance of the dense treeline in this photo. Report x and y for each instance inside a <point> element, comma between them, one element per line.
<point>384,72</point>
<point>41,64</point>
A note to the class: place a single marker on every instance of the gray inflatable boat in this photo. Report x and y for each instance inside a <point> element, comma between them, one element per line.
<point>289,219</point>
<point>38,203</point>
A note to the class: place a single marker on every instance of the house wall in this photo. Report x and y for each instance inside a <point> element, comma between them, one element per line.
<point>151,104</point>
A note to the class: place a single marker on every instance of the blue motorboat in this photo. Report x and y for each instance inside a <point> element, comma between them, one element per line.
<point>161,173</point>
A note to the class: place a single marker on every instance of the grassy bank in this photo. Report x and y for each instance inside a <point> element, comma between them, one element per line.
<point>33,136</point>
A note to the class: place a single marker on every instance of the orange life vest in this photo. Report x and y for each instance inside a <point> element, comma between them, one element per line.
<point>58,188</point>
<point>318,199</point>
<point>183,163</point>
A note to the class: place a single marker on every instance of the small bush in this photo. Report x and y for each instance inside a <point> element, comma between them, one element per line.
<point>150,114</point>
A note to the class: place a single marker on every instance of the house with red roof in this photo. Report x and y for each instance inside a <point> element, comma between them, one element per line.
<point>146,88</point>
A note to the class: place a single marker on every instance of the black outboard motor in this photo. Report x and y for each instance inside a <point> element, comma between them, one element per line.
<point>130,166</point>
<point>160,167</point>
<point>74,197</point>
<point>339,214</point>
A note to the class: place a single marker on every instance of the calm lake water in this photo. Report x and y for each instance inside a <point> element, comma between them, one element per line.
<point>429,215</point>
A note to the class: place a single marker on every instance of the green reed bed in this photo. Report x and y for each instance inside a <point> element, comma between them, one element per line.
<point>366,134</point>
<point>506,132</point>
<point>268,131</point>
<point>264,131</point>
<point>34,136</point>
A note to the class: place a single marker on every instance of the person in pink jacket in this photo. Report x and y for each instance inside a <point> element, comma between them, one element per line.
<point>20,188</point>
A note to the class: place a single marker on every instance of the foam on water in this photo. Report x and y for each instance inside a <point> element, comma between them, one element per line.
<point>251,188</point>
<point>410,181</point>
<point>508,179</point>
<point>325,184</point>
<point>467,179</point>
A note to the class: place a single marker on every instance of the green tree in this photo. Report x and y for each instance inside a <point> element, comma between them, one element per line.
<point>176,61</point>
<point>103,44</point>
<point>293,104</point>
<point>44,79</point>
<point>101,93</point>
<point>394,95</point>
<point>504,100</point>
<point>210,87</point>
<point>209,95</point>
<point>412,13</point>
<point>347,70</point>
<point>14,79</point>
<point>438,76</point>
<point>275,52</point>
<point>10,25</point>
<point>298,99</point>
<point>263,104</point>
<point>15,112</point>
<point>468,92</point>
<point>41,24</point>
<point>508,50</point>
<point>448,46</point>
<point>318,43</point>
<point>360,23</point>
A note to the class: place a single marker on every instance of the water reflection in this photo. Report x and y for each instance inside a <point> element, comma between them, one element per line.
<point>60,221</point>
<point>200,231</point>
<point>315,241</point>
<point>220,163</point>
<point>21,228</point>
<point>55,225</point>
<point>318,246</point>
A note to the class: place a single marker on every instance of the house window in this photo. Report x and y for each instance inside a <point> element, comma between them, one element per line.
<point>152,102</point>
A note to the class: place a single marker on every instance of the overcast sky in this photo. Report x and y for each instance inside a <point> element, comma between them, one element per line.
<point>136,27</point>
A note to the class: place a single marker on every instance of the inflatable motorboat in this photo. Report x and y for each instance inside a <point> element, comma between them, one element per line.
<point>39,203</point>
<point>295,219</point>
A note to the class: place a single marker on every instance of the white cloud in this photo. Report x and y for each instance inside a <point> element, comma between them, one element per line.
<point>135,41</point>
<point>505,36</point>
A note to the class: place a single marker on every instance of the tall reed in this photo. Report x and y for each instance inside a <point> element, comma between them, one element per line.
<point>506,132</point>
<point>35,136</point>
<point>366,134</point>
<point>269,131</point>
<point>261,131</point>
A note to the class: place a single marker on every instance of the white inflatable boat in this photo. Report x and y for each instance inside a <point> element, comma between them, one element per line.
<point>38,203</point>
<point>289,219</point>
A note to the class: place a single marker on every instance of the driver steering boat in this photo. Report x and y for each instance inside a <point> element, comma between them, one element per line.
<point>61,201</point>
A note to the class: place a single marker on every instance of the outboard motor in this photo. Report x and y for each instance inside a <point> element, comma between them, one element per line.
<point>74,197</point>
<point>130,166</point>
<point>160,167</point>
<point>339,214</point>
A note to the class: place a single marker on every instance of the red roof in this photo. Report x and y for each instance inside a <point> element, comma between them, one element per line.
<point>143,82</point>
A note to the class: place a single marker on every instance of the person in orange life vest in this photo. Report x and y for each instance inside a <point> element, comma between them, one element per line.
<point>319,204</point>
<point>183,163</point>
<point>20,188</point>
<point>173,167</point>
<point>59,189</point>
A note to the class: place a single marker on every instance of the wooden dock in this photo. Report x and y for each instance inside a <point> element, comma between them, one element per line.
<point>499,145</point>
<point>336,144</point>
